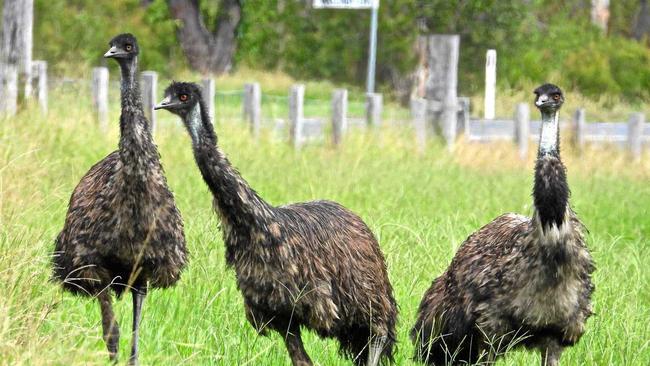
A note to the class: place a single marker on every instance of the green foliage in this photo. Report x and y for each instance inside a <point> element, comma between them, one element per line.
<point>326,43</point>
<point>536,40</point>
<point>73,33</point>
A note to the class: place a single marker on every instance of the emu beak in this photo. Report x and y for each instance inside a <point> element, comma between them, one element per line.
<point>164,103</point>
<point>541,100</point>
<point>114,52</point>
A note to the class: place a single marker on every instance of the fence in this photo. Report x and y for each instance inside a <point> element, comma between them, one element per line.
<point>302,127</point>
<point>633,134</point>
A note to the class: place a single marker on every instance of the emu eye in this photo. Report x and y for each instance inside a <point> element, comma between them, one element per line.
<point>556,97</point>
<point>128,47</point>
<point>183,97</point>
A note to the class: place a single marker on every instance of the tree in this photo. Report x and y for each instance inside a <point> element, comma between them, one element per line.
<point>642,25</point>
<point>207,51</point>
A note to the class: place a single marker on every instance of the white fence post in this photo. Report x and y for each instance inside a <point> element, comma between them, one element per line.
<point>296,117</point>
<point>373,109</point>
<point>522,129</point>
<point>635,133</point>
<point>149,86</point>
<point>253,107</point>
<point>579,129</point>
<point>490,83</point>
<point>207,86</point>
<point>39,78</point>
<point>100,95</point>
<point>419,115</point>
<point>339,114</point>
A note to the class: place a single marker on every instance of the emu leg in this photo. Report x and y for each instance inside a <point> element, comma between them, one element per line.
<point>551,352</point>
<point>376,349</point>
<point>293,341</point>
<point>138,293</point>
<point>110,327</point>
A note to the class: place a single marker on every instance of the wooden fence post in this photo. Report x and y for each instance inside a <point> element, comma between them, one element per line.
<point>39,78</point>
<point>579,129</point>
<point>419,115</point>
<point>373,109</point>
<point>463,115</point>
<point>16,39</point>
<point>443,82</point>
<point>25,48</point>
<point>256,115</point>
<point>246,104</point>
<point>490,83</point>
<point>149,86</point>
<point>208,96</point>
<point>296,100</point>
<point>635,133</point>
<point>253,107</point>
<point>600,14</point>
<point>100,95</point>
<point>522,129</point>
<point>339,114</point>
<point>8,89</point>
<point>15,53</point>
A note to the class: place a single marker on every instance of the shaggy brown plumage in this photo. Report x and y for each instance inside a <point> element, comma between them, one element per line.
<point>315,265</point>
<point>516,281</point>
<point>122,229</point>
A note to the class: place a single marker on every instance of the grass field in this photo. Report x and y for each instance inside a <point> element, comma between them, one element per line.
<point>420,207</point>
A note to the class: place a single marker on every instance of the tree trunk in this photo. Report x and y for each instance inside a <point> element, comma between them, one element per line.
<point>206,51</point>
<point>15,52</point>
<point>642,24</point>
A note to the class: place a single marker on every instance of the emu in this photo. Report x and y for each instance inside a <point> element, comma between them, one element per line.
<point>517,281</point>
<point>315,265</point>
<point>122,230</point>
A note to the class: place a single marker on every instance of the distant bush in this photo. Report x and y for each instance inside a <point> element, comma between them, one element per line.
<point>72,33</point>
<point>574,53</point>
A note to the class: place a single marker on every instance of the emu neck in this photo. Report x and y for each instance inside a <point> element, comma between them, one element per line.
<point>239,206</point>
<point>137,150</point>
<point>551,190</point>
<point>549,137</point>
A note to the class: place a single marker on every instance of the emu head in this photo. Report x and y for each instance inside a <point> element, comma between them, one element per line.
<point>123,46</point>
<point>548,98</point>
<point>185,100</point>
<point>180,98</point>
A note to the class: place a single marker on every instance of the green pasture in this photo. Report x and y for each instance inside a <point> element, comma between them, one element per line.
<point>421,208</point>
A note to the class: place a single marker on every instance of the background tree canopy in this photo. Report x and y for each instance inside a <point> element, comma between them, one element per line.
<point>536,40</point>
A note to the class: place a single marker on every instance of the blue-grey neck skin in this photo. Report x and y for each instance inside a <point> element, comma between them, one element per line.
<point>549,137</point>
<point>195,124</point>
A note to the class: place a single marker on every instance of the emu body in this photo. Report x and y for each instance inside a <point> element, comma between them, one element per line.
<point>517,281</point>
<point>122,230</point>
<point>315,265</point>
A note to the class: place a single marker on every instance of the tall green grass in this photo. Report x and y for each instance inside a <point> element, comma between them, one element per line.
<point>420,206</point>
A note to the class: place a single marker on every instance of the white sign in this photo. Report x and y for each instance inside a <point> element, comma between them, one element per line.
<point>346,4</point>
